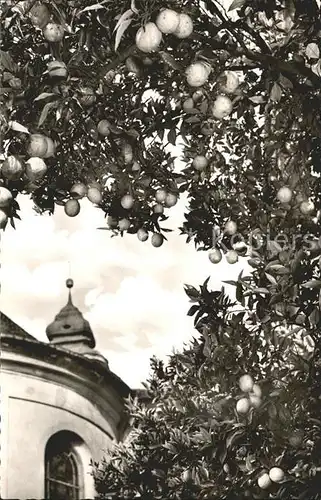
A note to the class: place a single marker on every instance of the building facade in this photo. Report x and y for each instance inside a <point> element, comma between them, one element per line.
<point>61,409</point>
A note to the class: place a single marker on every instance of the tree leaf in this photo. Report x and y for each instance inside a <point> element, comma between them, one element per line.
<point>312,51</point>
<point>312,284</point>
<point>7,62</point>
<point>276,92</point>
<point>44,95</point>
<point>171,137</point>
<point>44,113</point>
<point>120,31</point>
<point>18,127</point>
<point>236,4</point>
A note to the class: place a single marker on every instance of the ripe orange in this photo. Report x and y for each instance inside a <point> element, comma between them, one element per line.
<point>230,227</point>
<point>124,224</point>
<point>127,201</point>
<point>170,200</point>
<point>103,128</point>
<point>167,21</point>
<point>222,107</point>
<point>188,105</point>
<point>3,219</point>
<point>157,240</point>
<point>78,190</point>
<point>231,82</point>
<point>215,256</point>
<point>256,390</point>
<point>39,15</point>
<point>38,145</point>
<point>148,38</point>
<point>197,95</point>
<point>12,168</point>
<point>72,208</point>
<point>197,74</point>
<point>57,69</point>
<point>51,149</point>
<point>246,383</point>
<point>243,406</point>
<point>158,208</point>
<point>5,197</point>
<point>307,207</point>
<point>296,438</point>
<point>276,474</point>
<point>142,234</point>
<point>53,32</point>
<point>185,26</point>
<point>284,194</point>
<point>264,481</point>
<point>255,400</point>
<point>232,257</point>
<point>136,167</point>
<point>94,195</point>
<point>35,168</point>
<point>160,195</point>
<point>200,162</point>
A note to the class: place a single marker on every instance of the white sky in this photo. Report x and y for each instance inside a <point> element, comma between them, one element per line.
<point>131,292</point>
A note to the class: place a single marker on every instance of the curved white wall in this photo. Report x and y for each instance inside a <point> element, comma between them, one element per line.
<point>32,411</point>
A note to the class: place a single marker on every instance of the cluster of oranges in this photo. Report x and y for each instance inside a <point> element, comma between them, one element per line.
<point>40,17</point>
<point>253,399</point>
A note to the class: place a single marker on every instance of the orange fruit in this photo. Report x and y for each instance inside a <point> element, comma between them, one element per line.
<point>35,168</point>
<point>12,168</point>
<point>256,390</point>
<point>72,208</point>
<point>5,197</point>
<point>215,256</point>
<point>124,224</point>
<point>57,69</point>
<point>3,219</point>
<point>53,32</point>
<point>200,162</point>
<point>167,21</point>
<point>94,195</point>
<point>222,107</point>
<point>232,257</point>
<point>103,128</point>
<point>160,195</point>
<point>264,481</point>
<point>39,15</point>
<point>136,167</point>
<point>188,105</point>
<point>185,26</point>
<point>78,190</point>
<point>51,149</point>
<point>230,82</point>
<point>306,207</point>
<point>243,406</point>
<point>197,95</point>
<point>284,194</point>
<point>142,234</point>
<point>296,438</point>
<point>158,208</point>
<point>38,145</point>
<point>230,227</point>
<point>157,240</point>
<point>197,74</point>
<point>127,201</point>
<point>148,38</point>
<point>276,474</point>
<point>170,200</point>
<point>246,383</point>
<point>255,401</point>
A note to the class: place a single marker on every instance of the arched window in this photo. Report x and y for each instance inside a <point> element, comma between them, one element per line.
<point>64,474</point>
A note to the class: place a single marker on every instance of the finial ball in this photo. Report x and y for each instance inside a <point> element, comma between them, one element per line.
<point>69,283</point>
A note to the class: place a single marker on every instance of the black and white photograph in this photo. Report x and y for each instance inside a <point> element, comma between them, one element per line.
<point>160,249</point>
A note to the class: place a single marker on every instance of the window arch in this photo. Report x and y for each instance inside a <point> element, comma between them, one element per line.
<point>64,471</point>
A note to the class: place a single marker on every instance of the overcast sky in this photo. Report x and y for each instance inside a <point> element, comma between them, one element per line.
<point>131,292</point>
